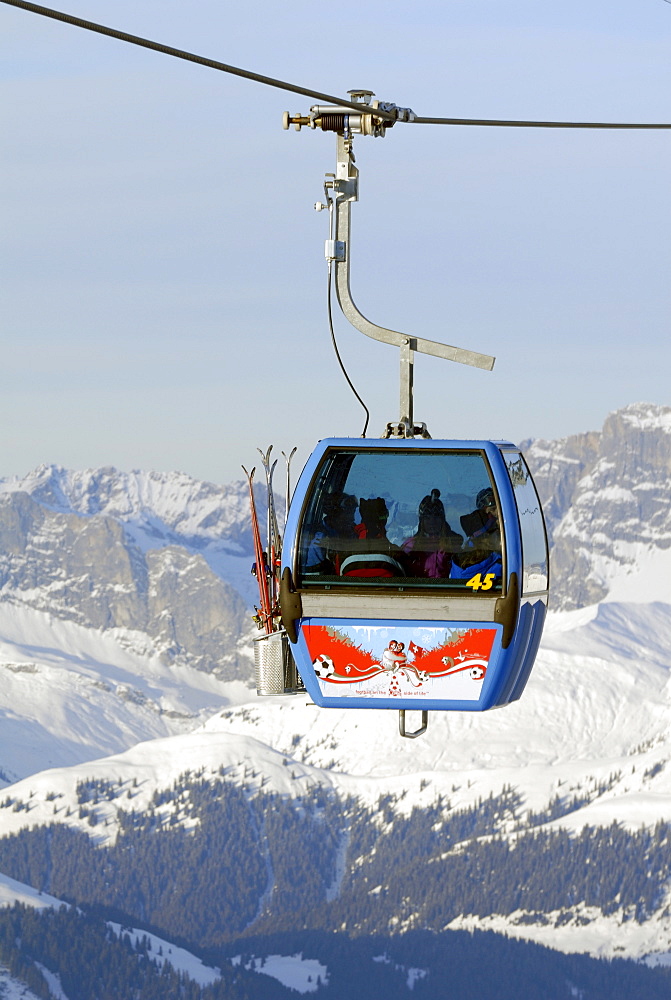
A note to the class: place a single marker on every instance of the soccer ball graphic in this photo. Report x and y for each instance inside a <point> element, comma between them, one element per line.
<point>324,667</point>
<point>477,673</point>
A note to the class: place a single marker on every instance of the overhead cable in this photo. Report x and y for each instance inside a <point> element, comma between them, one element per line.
<point>168,50</point>
<point>501,123</point>
<point>360,108</point>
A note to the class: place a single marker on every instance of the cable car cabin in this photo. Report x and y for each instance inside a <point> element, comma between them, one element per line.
<point>414,574</point>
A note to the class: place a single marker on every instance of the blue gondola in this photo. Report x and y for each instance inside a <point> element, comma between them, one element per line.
<point>414,574</point>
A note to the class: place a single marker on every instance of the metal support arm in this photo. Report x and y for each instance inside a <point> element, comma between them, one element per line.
<point>345,191</point>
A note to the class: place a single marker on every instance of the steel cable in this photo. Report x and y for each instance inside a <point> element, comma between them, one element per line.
<point>305,91</point>
<point>169,50</point>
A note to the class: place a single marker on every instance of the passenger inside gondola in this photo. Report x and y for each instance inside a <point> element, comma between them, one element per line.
<point>374,516</point>
<point>337,528</point>
<point>428,553</point>
<point>372,555</point>
<point>383,518</point>
<point>481,553</point>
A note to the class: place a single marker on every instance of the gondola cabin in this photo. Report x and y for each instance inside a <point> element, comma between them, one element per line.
<point>414,574</point>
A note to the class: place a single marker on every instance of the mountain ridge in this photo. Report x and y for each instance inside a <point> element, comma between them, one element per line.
<point>584,754</point>
<point>604,495</point>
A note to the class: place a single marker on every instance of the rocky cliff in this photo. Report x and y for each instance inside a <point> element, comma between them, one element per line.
<point>142,552</point>
<point>606,499</point>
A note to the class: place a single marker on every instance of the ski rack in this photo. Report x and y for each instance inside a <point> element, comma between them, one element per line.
<point>275,668</point>
<point>341,189</point>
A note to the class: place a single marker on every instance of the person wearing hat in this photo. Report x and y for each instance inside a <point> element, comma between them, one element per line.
<point>372,555</point>
<point>428,553</point>
<point>481,552</point>
<point>335,533</point>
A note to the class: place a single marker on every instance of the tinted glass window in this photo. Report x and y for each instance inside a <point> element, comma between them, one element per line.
<point>402,519</point>
<point>534,543</point>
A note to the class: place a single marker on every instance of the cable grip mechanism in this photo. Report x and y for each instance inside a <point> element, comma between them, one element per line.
<point>334,118</point>
<point>340,190</point>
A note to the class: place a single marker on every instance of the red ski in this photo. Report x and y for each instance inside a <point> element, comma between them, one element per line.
<point>261,568</point>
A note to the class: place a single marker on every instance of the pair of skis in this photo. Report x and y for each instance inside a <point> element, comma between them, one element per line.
<point>267,560</point>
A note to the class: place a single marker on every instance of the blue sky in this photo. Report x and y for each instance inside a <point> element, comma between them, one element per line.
<point>163,282</point>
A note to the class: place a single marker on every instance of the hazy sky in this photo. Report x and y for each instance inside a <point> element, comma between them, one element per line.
<point>163,280</point>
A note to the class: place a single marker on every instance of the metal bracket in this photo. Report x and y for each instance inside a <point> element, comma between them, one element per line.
<point>341,189</point>
<point>345,190</point>
<point>404,429</point>
<point>418,732</point>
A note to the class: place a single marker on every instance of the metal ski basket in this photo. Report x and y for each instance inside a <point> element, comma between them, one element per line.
<point>276,672</point>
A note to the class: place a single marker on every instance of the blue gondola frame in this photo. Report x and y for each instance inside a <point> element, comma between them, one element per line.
<point>515,614</point>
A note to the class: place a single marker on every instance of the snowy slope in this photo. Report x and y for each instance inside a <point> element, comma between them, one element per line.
<point>12,892</point>
<point>12,989</point>
<point>70,693</point>
<point>164,952</point>
<point>590,932</point>
<point>292,970</point>
<point>593,722</point>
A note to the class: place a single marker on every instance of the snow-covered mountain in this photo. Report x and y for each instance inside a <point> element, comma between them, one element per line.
<point>606,500</point>
<point>148,568</point>
<point>160,554</point>
<point>141,541</point>
<point>590,736</point>
<point>588,746</point>
<point>71,693</point>
<point>124,610</point>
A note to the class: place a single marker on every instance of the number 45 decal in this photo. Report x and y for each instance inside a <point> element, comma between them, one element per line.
<point>477,582</point>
